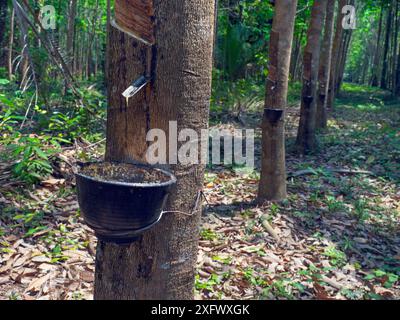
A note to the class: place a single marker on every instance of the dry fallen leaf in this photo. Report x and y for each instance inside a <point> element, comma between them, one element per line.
<point>36,284</point>
<point>53,182</point>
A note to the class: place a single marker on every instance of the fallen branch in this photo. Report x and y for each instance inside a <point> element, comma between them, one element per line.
<point>267,226</point>
<point>331,282</point>
<point>344,171</point>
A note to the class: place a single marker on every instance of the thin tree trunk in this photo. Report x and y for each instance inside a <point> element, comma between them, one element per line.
<point>161,264</point>
<point>325,66</point>
<point>273,168</point>
<point>398,75</point>
<point>343,58</point>
<point>306,133</point>
<point>397,90</point>
<point>396,21</point>
<point>3,33</point>
<point>295,56</point>
<point>215,40</point>
<point>71,33</point>
<point>384,84</point>
<point>364,71</point>
<point>11,45</point>
<point>335,55</point>
<point>376,64</point>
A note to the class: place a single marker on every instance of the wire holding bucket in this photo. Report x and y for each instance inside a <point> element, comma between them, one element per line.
<point>196,207</point>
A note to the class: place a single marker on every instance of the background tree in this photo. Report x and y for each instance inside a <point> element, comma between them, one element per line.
<point>335,55</point>
<point>375,75</point>
<point>273,168</point>
<point>72,7</point>
<point>306,132</point>
<point>325,66</point>
<point>384,84</point>
<point>3,33</point>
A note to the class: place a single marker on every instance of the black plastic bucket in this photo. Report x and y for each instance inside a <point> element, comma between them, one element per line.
<point>120,212</point>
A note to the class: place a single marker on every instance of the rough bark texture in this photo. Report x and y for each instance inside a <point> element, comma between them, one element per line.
<point>306,133</point>
<point>273,168</point>
<point>136,17</point>
<point>325,66</point>
<point>161,264</point>
<point>335,55</point>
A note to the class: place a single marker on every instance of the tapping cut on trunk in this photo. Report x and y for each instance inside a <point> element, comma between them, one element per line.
<point>135,17</point>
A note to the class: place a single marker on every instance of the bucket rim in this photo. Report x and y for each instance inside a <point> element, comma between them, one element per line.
<point>172,179</point>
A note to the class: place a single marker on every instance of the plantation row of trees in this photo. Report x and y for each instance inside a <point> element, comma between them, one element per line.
<point>377,61</point>
<point>243,31</point>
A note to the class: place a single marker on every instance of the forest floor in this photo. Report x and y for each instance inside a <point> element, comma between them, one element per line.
<point>335,237</point>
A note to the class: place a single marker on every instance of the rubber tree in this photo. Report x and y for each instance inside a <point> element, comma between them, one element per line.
<point>10,45</point>
<point>161,265</point>
<point>72,8</point>
<point>3,33</point>
<point>338,39</point>
<point>325,66</point>
<point>306,133</point>
<point>376,64</point>
<point>385,67</point>
<point>273,168</point>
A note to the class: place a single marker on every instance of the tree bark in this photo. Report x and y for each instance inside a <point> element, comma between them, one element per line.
<point>273,169</point>
<point>3,24</point>
<point>296,54</point>
<point>161,264</point>
<point>11,45</point>
<point>376,64</point>
<point>342,61</point>
<point>384,84</point>
<point>71,33</point>
<point>325,66</point>
<point>396,22</point>
<point>335,56</point>
<point>306,134</point>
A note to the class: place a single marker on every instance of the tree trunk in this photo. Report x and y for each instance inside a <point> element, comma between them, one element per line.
<point>296,53</point>
<point>11,45</point>
<point>342,61</point>
<point>3,24</point>
<point>398,75</point>
<point>306,133</point>
<point>71,33</point>
<point>386,50</point>
<point>325,66</point>
<point>396,21</point>
<point>273,169</point>
<point>376,64</point>
<point>161,264</point>
<point>335,56</point>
